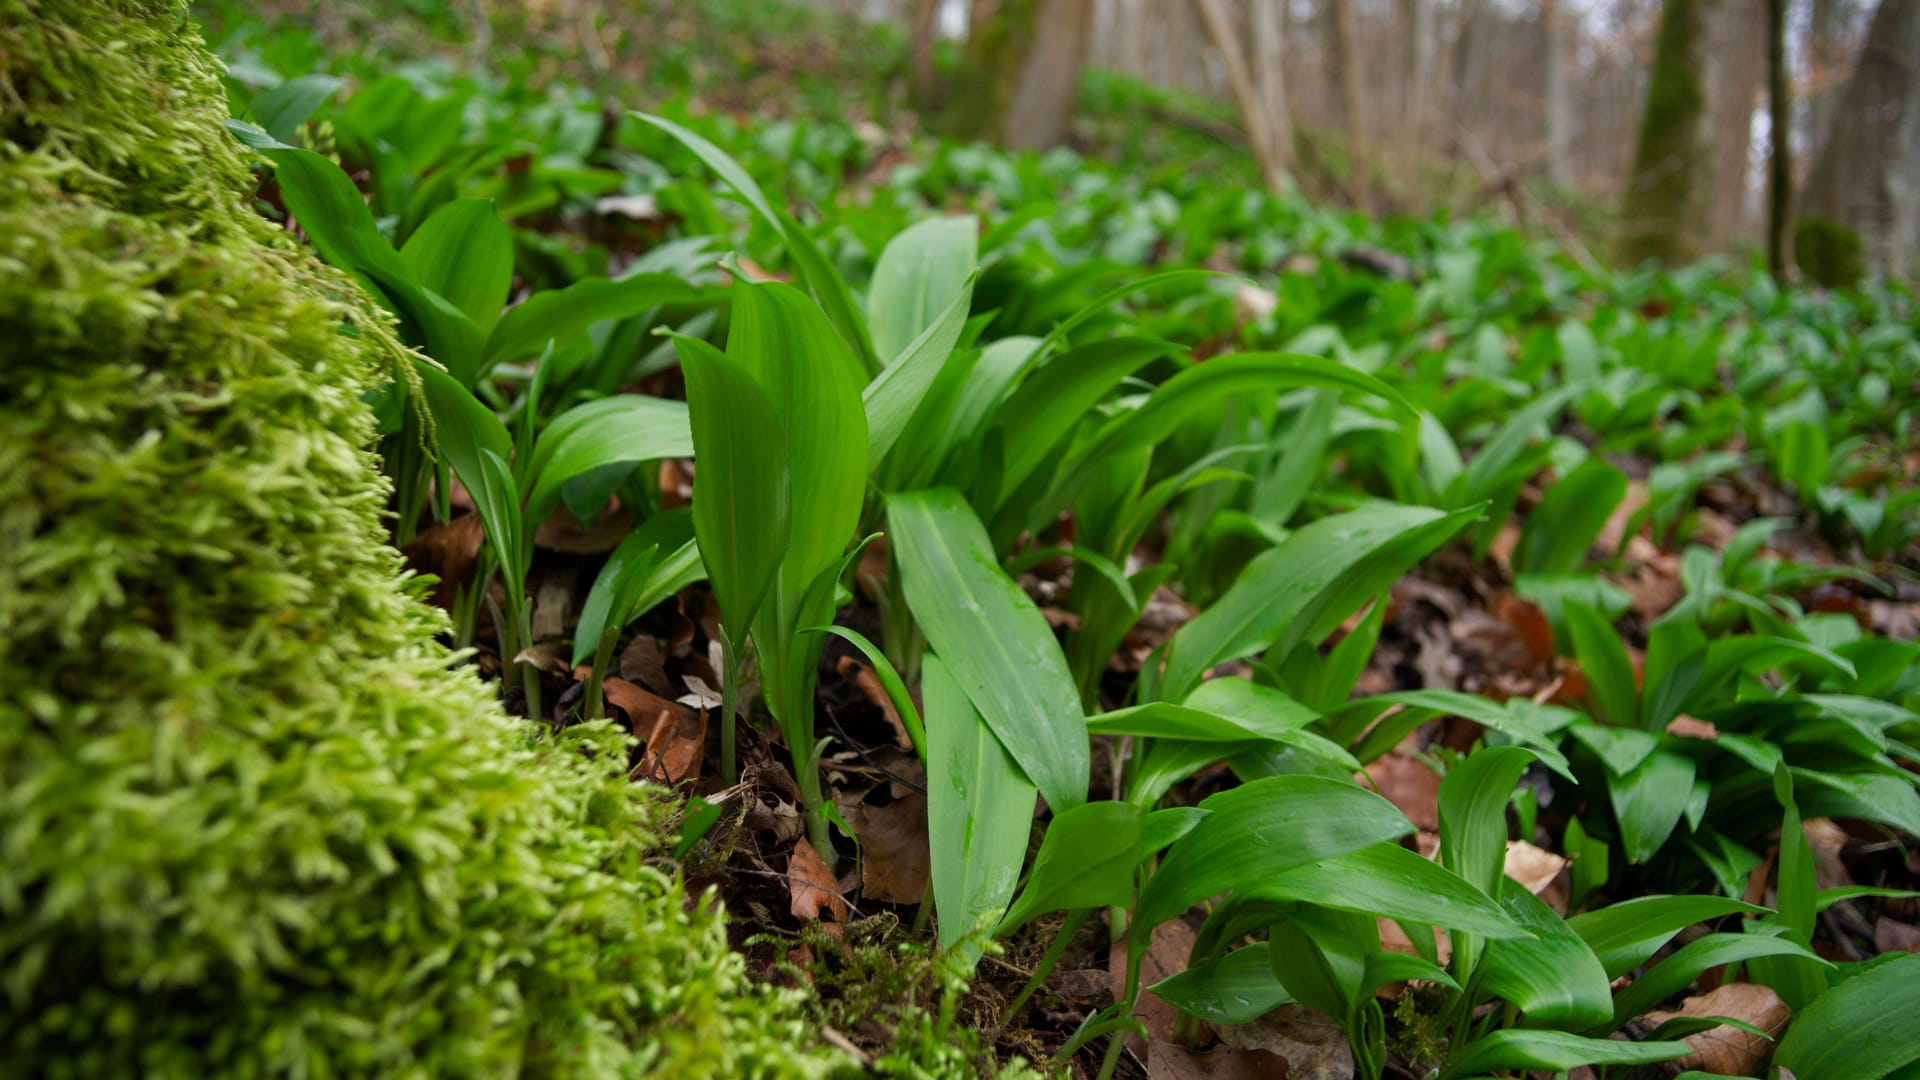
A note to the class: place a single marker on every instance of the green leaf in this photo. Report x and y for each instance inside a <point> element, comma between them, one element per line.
<point>1423,704</point>
<point>1649,801</point>
<point>1262,829</point>
<point>740,492</point>
<point>1512,1048</point>
<point>1161,828</point>
<point>464,252</point>
<point>284,108</point>
<point>1866,1027</point>
<point>894,396</point>
<point>1486,472</point>
<point>1625,935</point>
<point>1233,989</point>
<point>919,275</point>
<point>1690,961</point>
<point>819,275</point>
<point>1389,881</point>
<point>1392,967</point>
<point>1086,557</point>
<point>1087,859</point>
<point>1281,584</point>
<point>618,430</point>
<point>1603,659</point>
<point>1557,534</point>
<point>979,811</point>
<point>1473,814</point>
<point>655,560</point>
<point>1797,897</point>
<point>1552,977</point>
<point>559,315</point>
<point>994,639</point>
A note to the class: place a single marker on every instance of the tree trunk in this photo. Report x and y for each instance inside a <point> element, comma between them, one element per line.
<point>1826,52</point>
<point>1670,181</point>
<point>1779,139</point>
<point>1864,191</point>
<point>1262,100</point>
<point>1042,104</point>
<point>1736,70</point>
<point>1559,104</point>
<point>1343,71</point>
<point>922,79</point>
<point>1019,72</point>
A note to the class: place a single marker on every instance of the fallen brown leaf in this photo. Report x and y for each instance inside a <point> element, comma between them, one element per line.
<point>863,678</point>
<point>1165,956</point>
<point>1310,1042</point>
<point>1531,624</point>
<point>643,662</point>
<point>811,885</point>
<point>1531,866</point>
<point>894,861</point>
<point>1890,935</point>
<point>1689,728</point>
<point>1727,1050</point>
<point>675,746</point>
<point>448,551</point>
<point>641,706</point>
<point>1171,1061</point>
<point>1408,784</point>
<point>561,532</point>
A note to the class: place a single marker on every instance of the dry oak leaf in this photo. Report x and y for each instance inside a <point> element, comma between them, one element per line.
<point>811,885</point>
<point>1171,1061</point>
<point>1727,1050</point>
<point>1409,785</point>
<point>894,859</point>
<point>1310,1042</point>
<point>675,746</point>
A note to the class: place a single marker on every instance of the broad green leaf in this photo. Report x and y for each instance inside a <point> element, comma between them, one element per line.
<point>1320,956</point>
<point>919,275</point>
<point>1649,801</point>
<point>1866,1027</point>
<point>1625,935</point>
<point>1552,976</point>
<point>656,559</point>
<point>1509,1049</point>
<point>1473,814</point>
<point>1498,454</point>
<point>623,429</point>
<point>1690,961</point>
<point>284,108</point>
<point>464,427</point>
<point>1557,533</point>
<point>1039,414</point>
<point>1233,989</point>
<point>1393,967</point>
<point>559,315</point>
<point>1278,586</point>
<point>953,411</point>
<point>1199,388</point>
<point>979,811</point>
<point>894,396</point>
<point>1162,827</point>
<point>1087,859</point>
<point>1796,895</point>
<point>1603,660</point>
<point>819,275</point>
<point>464,252</point>
<point>992,637</point>
<point>1389,881</point>
<point>1086,557</point>
<point>740,492</point>
<point>1423,704</point>
<point>1262,829</point>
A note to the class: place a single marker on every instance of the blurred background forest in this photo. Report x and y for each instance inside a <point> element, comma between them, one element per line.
<point>1627,129</point>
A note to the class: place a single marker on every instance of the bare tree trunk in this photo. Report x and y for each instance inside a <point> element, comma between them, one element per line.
<point>1736,66</point>
<point>1042,104</point>
<point>1668,186</point>
<point>1468,52</point>
<point>1559,104</point>
<point>1779,139</point>
<point>1263,101</point>
<point>1343,71</point>
<point>1419,91</point>
<point>1863,195</point>
<point>922,84</point>
<point>1269,76</point>
<point>1826,52</point>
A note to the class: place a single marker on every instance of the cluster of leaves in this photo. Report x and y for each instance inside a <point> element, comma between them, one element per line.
<point>1008,392</point>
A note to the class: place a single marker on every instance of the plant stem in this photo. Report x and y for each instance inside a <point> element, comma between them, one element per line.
<point>1054,951</point>
<point>818,827</point>
<point>596,701</point>
<point>729,696</point>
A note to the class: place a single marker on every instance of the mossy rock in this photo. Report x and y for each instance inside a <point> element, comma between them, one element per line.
<point>253,821</point>
<point>1828,252</point>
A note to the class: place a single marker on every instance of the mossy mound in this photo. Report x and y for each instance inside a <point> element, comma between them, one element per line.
<point>1828,253</point>
<point>252,822</point>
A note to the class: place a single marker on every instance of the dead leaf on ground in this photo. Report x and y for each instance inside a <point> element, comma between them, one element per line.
<point>1541,871</point>
<point>1310,1042</point>
<point>1530,622</point>
<point>641,705</point>
<point>1727,1050</point>
<point>1688,727</point>
<point>1393,938</point>
<point>1166,956</point>
<point>1614,532</point>
<point>811,885</point>
<point>448,551</point>
<point>1171,1061</point>
<point>1409,785</point>
<point>1890,935</point>
<point>675,746</point>
<point>561,532</point>
<point>547,656</point>
<point>643,662</point>
<point>894,860</point>
<point>862,677</point>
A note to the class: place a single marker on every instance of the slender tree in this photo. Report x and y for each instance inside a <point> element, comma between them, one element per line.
<point>1861,210</point>
<point>1019,72</point>
<point>1668,186</point>
<point>1343,70</point>
<point>1779,139</point>
<point>1559,102</point>
<point>1262,97</point>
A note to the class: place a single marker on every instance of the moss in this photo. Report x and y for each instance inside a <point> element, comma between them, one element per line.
<point>1828,252</point>
<point>252,821</point>
<point>1672,165</point>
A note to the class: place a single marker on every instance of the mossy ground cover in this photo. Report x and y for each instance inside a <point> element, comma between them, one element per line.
<point>253,818</point>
